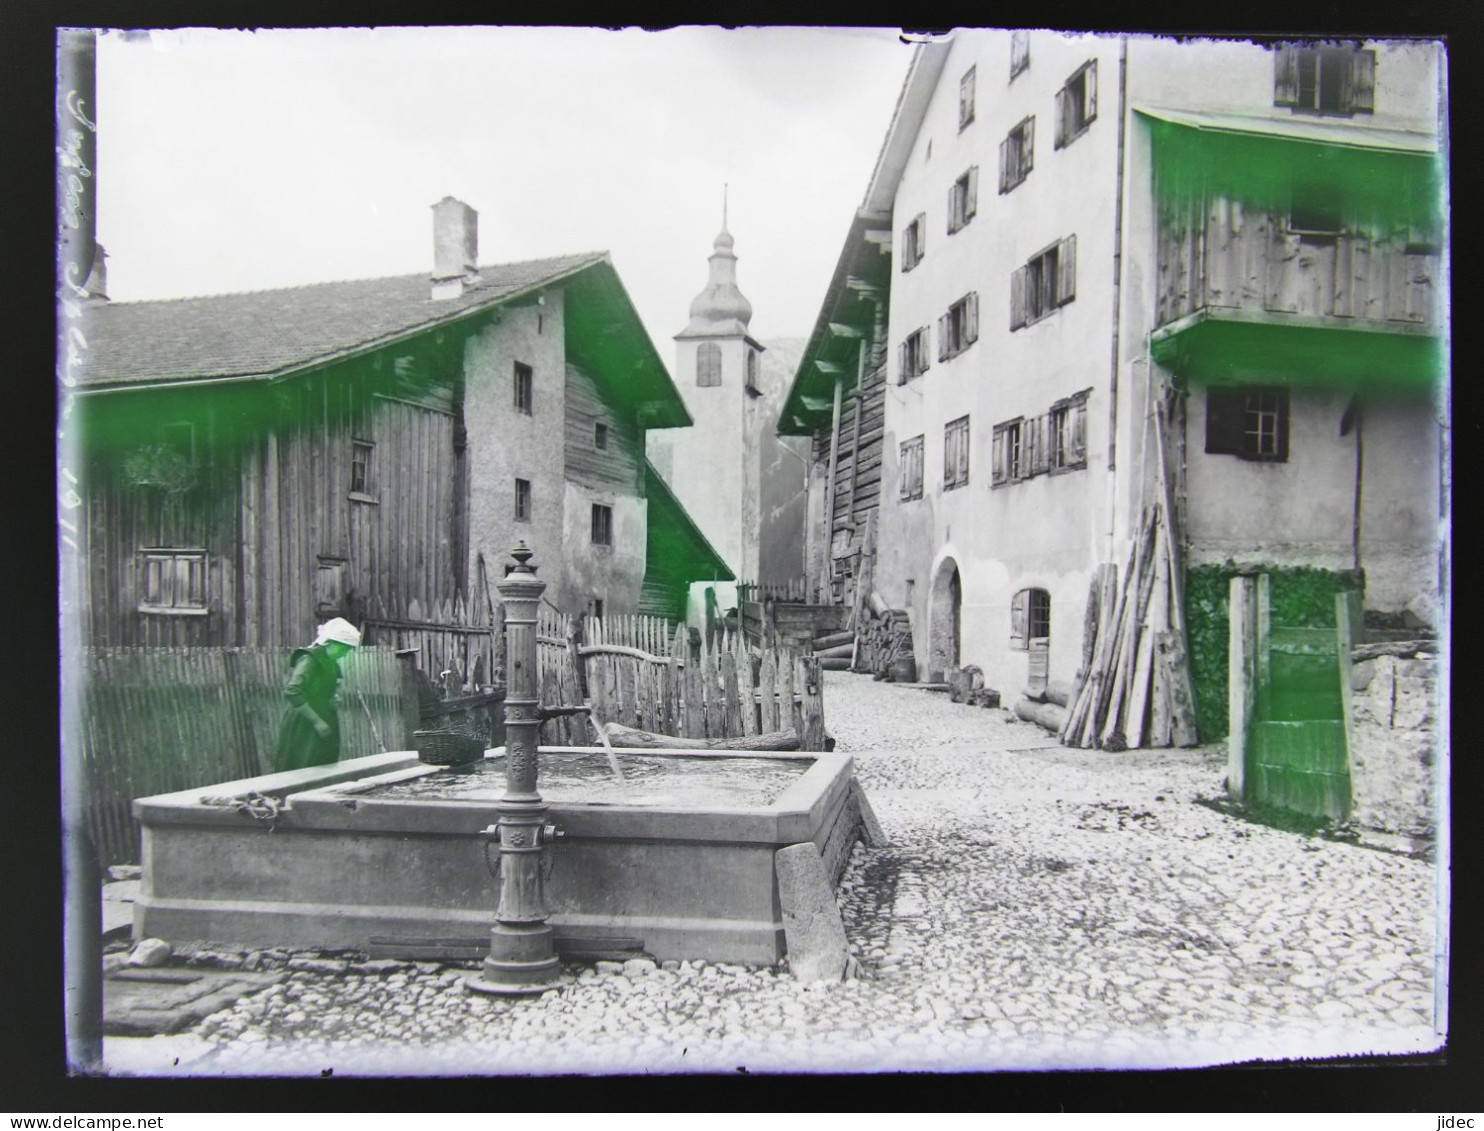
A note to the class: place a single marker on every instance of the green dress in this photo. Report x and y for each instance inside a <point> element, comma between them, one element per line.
<point>312,682</point>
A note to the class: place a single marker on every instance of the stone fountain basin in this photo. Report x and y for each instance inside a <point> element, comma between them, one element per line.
<point>346,864</point>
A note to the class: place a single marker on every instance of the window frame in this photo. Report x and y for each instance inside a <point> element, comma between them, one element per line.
<point>524,499</point>
<point>752,369</point>
<point>197,566</point>
<point>1066,434</point>
<point>963,200</point>
<point>966,104</point>
<point>708,375</point>
<point>600,436</point>
<point>1228,424</point>
<point>362,457</point>
<point>1074,117</point>
<point>913,357</point>
<point>956,441</point>
<point>1355,88</point>
<point>602,524</point>
<point>1018,154</point>
<point>1055,288</point>
<point>914,244</point>
<point>910,456</point>
<point>1029,608</point>
<point>958,329</point>
<point>524,381</point>
<point>1020,51</point>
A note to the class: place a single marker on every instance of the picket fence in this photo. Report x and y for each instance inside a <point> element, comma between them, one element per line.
<point>687,686</point>
<point>156,720</point>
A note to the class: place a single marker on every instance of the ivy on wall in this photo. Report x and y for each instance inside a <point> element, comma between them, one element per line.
<point>1302,597</point>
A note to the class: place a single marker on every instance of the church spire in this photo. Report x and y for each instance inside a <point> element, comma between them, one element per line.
<point>720,310</point>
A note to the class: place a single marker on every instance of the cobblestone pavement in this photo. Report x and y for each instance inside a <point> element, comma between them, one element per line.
<point>1037,907</point>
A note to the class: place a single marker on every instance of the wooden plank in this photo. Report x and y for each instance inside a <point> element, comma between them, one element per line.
<point>733,695</point>
<point>747,692</point>
<point>768,693</point>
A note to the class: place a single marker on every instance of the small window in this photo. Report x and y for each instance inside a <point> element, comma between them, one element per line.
<point>1030,618</point>
<point>361,452</point>
<point>966,98</point>
<point>600,437</point>
<point>1017,154</point>
<point>1077,104</point>
<point>914,244</point>
<point>956,454</point>
<point>522,500</point>
<point>1067,430</point>
<point>1008,454</point>
<point>962,199</point>
<point>1248,422</point>
<point>959,328</point>
<point>752,373</point>
<point>912,356</point>
<point>329,586</point>
<point>1046,282</point>
<point>595,608</point>
<point>708,364</point>
<point>911,485</point>
<point>524,391</point>
<point>1020,52</point>
<point>1330,78</point>
<point>1316,218</point>
<point>602,525</point>
<point>174,581</point>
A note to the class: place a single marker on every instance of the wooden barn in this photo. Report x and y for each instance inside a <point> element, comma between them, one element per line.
<point>250,464</point>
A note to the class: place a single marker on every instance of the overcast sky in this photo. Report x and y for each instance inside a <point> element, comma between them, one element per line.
<point>235,161</point>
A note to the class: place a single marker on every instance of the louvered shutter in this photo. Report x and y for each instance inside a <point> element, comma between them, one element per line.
<point>1061,118</point>
<point>1041,426</point>
<point>971,317</point>
<point>1066,271</point>
<point>902,364</point>
<point>997,473</point>
<point>953,209</point>
<point>1285,76</point>
<point>1027,147</point>
<point>920,223</point>
<point>943,337</point>
<point>1005,174</point>
<point>1017,298</point>
<point>1363,81</point>
<point>922,350</point>
<point>1077,453</point>
<point>1090,86</point>
<point>1019,607</point>
<point>971,198</point>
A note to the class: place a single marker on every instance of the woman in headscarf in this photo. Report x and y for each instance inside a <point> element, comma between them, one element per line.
<point>310,733</point>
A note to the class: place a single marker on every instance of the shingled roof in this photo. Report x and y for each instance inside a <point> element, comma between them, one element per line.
<point>276,332</point>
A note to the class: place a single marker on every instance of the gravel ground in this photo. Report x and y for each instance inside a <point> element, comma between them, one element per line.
<point>1037,907</point>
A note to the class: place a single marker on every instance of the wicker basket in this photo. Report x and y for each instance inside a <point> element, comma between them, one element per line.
<point>446,747</point>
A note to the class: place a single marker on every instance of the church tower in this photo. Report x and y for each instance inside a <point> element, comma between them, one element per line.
<point>713,466</point>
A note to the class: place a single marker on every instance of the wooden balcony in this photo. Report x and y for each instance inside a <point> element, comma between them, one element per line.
<point>1242,289</point>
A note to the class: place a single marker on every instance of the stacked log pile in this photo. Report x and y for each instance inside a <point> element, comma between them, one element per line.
<point>883,636</point>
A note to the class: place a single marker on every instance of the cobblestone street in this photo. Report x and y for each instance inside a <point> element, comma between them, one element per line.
<point>1037,907</point>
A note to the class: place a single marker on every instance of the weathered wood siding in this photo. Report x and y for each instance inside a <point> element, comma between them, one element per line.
<point>620,466</point>
<point>271,498</point>
<point>1222,253</point>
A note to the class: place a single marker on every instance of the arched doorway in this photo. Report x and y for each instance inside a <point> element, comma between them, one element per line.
<point>945,606</point>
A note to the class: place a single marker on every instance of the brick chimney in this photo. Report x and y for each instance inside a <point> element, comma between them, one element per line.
<point>455,247</point>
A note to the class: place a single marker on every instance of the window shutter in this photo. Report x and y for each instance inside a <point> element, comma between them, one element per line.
<point>1363,81</point>
<point>1028,147</point>
<point>1061,118</point>
<point>1285,76</point>
<point>1090,86</point>
<point>1283,424</point>
<point>1225,420</point>
<point>997,456</point>
<point>1066,271</point>
<point>1017,298</point>
<point>1019,605</point>
<point>971,198</point>
<point>922,350</point>
<point>953,223</point>
<point>971,317</point>
<point>902,364</point>
<point>1005,174</point>
<point>943,337</point>
<point>1077,452</point>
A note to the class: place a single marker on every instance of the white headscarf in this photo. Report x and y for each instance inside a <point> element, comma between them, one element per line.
<point>339,630</point>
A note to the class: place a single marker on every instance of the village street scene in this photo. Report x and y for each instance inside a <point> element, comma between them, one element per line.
<point>1012,638</point>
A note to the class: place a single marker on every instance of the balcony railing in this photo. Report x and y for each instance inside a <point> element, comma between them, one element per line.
<point>1220,254</point>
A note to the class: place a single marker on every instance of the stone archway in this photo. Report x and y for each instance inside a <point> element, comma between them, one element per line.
<point>945,611</point>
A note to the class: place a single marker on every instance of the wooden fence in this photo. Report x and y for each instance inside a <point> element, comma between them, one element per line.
<point>467,642</point>
<point>687,690</point>
<point>155,720</point>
